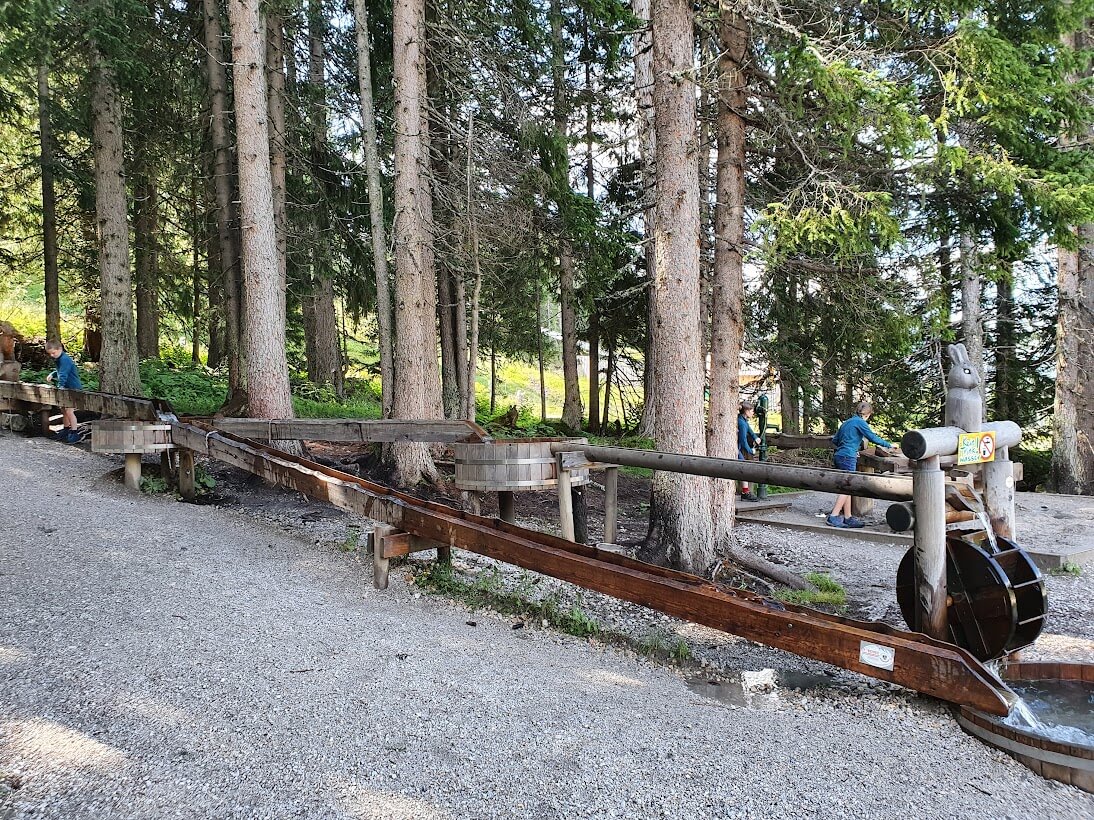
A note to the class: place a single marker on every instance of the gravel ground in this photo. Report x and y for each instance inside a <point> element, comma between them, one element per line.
<point>162,660</point>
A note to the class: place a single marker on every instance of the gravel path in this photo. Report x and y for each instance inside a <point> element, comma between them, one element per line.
<point>162,660</point>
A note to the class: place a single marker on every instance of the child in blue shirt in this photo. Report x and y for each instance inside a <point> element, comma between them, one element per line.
<point>68,378</point>
<point>847,442</point>
<point>745,441</point>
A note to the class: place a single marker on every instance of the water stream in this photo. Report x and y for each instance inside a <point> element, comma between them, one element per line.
<point>1061,710</point>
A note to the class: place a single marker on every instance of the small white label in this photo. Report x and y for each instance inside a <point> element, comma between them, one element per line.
<point>873,654</point>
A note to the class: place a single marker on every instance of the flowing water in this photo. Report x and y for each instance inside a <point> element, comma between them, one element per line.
<point>1061,710</point>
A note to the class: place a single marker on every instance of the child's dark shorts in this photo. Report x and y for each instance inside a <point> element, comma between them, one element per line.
<point>848,463</point>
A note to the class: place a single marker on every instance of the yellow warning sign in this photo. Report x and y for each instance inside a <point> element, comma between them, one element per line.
<point>975,448</point>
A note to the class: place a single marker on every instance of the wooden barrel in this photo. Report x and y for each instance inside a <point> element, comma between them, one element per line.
<point>124,436</point>
<point>511,464</point>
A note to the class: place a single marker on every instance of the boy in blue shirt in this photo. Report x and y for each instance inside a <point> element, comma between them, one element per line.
<point>847,442</point>
<point>745,441</point>
<point>69,379</point>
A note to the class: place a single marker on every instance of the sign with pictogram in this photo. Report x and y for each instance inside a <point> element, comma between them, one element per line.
<point>975,448</point>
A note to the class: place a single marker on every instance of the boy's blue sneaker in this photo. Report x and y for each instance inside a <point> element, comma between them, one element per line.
<point>853,523</point>
<point>72,437</point>
<point>835,521</point>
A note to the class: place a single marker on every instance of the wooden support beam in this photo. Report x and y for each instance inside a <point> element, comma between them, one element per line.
<point>929,492</point>
<point>611,504</point>
<point>133,471</point>
<point>187,476</point>
<point>861,506</point>
<point>916,661</point>
<point>380,564</point>
<point>507,506</point>
<point>352,430</point>
<point>999,493</point>
<point>565,501</point>
<point>785,441</point>
<point>399,544</point>
<point>45,418</point>
<point>105,404</point>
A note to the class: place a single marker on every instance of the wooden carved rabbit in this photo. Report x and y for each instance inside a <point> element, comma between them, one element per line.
<point>964,405</point>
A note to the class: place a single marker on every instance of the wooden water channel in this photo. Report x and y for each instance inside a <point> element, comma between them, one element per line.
<point>917,661</point>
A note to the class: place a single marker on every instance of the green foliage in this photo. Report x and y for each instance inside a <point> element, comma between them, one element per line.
<point>826,592</point>
<point>153,484</point>
<point>1068,568</point>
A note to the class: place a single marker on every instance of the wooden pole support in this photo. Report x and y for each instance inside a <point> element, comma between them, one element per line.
<point>187,476</point>
<point>565,501</point>
<point>133,471</point>
<point>999,493</point>
<point>929,497</point>
<point>507,507</point>
<point>611,504</point>
<point>44,417</point>
<point>861,506</point>
<point>380,565</point>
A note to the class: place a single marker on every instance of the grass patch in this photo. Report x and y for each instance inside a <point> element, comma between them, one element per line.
<point>826,591</point>
<point>1067,568</point>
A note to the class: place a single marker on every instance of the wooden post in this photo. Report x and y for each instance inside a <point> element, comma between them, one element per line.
<point>611,503</point>
<point>929,497</point>
<point>187,488</point>
<point>860,506</point>
<point>133,471</point>
<point>999,493</point>
<point>565,501</point>
<point>380,565</point>
<point>507,507</point>
<point>581,513</point>
<point>44,417</point>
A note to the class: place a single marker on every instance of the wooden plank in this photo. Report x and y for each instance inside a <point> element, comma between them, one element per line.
<point>565,502</point>
<point>918,661</point>
<point>106,404</point>
<point>351,430</point>
<point>187,487</point>
<point>399,544</point>
<point>785,441</point>
<point>380,564</point>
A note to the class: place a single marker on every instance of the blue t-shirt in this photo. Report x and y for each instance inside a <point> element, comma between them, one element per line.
<point>848,439</point>
<point>745,437</point>
<point>67,376</point>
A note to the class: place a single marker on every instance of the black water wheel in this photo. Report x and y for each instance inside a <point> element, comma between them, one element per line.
<point>982,608</point>
<point>1029,591</point>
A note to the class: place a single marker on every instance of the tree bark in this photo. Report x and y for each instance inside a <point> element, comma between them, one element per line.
<point>275,78</point>
<point>727,313</point>
<point>326,365</point>
<point>471,370</point>
<point>264,293</point>
<point>450,387</point>
<point>680,521</point>
<point>49,208</point>
<point>594,372</point>
<point>145,232</point>
<point>647,140</point>
<point>972,318</point>
<point>539,352</point>
<point>1006,366</point>
<point>118,371</point>
<point>417,387</point>
<point>227,280</point>
<point>378,232</point>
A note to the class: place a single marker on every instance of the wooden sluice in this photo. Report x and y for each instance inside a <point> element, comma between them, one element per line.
<point>910,659</point>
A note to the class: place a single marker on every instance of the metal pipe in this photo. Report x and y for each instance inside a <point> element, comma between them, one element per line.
<point>889,488</point>
<point>942,441</point>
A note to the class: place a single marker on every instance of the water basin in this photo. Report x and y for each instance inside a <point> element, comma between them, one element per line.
<point>1051,728</point>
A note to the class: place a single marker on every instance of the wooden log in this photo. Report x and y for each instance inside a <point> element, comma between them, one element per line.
<point>352,430</point>
<point>942,441</point>
<point>133,471</point>
<point>565,502</point>
<point>581,514</point>
<point>45,420</point>
<point>507,507</point>
<point>889,487</point>
<point>999,493</point>
<point>611,504</point>
<point>785,441</point>
<point>187,475</point>
<point>381,565</point>
<point>105,404</point>
<point>929,497</point>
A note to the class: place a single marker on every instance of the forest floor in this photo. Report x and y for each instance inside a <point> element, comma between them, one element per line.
<point>161,659</point>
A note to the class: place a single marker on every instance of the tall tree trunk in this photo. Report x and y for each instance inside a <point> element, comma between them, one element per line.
<point>609,375</point>
<point>647,140</point>
<point>275,79</point>
<point>417,388</point>
<point>378,233</point>
<point>493,376</point>
<point>145,231</point>
<point>1073,424</point>
<point>326,367</point>
<point>264,292</point>
<point>706,255</point>
<point>118,371</point>
<point>49,208</point>
<point>471,370</point>
<point>450,388</point>
<point>972,317</point>
<point>594,371</point>
<point>680,525</point>
<point>727,314</point>
<point>1006,365</point>
<point>539,350</point>
<point>572,411</point>
<point>196,238</point>
<point>228,277</point>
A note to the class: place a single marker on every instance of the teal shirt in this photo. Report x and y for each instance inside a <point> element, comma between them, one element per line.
<point>848,439</point>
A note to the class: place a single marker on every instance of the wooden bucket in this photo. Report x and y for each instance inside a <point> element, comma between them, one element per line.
<point>124,436</point>
<point>511,465</point>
